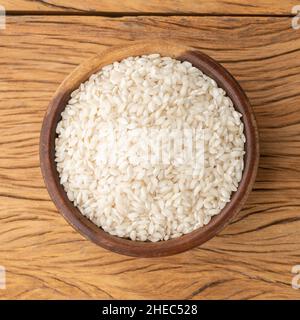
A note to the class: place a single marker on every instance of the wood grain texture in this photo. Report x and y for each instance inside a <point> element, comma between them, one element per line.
<point>225,7</point>
<point>251,259</point>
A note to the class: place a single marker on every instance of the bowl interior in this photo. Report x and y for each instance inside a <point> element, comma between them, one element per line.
<point>83,224</point>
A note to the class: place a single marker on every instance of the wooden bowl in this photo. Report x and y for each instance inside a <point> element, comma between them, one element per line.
<point>84,225</point>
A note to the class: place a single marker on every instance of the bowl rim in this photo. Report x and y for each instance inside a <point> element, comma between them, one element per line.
<point>87,228</point>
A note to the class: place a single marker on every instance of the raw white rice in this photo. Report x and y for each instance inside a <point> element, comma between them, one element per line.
<point>144,200</point>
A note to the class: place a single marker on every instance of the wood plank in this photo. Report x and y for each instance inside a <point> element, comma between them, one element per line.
<point>232,7</point>
<point>251,259</point>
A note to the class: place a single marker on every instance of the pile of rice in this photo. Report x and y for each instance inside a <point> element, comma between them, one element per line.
<point>148,200</point>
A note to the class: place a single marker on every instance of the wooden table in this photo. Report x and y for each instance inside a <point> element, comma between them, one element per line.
<point>253,257</point>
